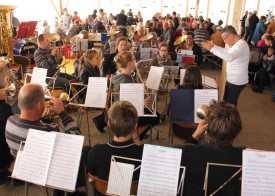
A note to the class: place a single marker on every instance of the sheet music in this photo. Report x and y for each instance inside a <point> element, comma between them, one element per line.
<point>16,164</point>
<point>120,178</point>
<point>203,97</point>
<point>171,71</point>
<point>65,161</point>
<point>148,53</point>
<point>186,52</point>
<point>36,157</point>
<point>258,173</point>
<point>154,77</point>
<point>182,73</point>
<point>134,93</point>
<point>209,82</point>
<point>159,171</point>
<point>39,76</point>
<point>96,92</point>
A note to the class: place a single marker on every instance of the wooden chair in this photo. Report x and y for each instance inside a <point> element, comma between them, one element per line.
<point>101,185</point>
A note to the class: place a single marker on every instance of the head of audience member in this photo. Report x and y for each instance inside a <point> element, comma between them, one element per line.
<point>44,42</point>
<point>229,35</point>
<point>171,24</point>
<point>223,124</point>
<point>269,40</point>
<point>220,22</point>
<point>140,30</point>
<point>121,44</point>
<point>92,57</point>
<point>218,29</point>
<point>165,26</point>
<point>125,62</point>
<point>75,13</point>
<point>192,78</point>
<point>31,101</point>
<point>95,11</point>
<point>122,11</point>
<point>163,50</point>
<point>122,119</point>
<point>202,26</point>
<point>154,38</point>
<point>263,19</point>
<point>206,24</point>
<point>65,11</point>
<point>194,25</point>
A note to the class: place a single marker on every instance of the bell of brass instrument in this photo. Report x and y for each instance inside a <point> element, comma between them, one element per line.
<point>6,30</point>
<point>181,44</point>
<point>9,91</point>
<point>53,38</point>
<point>201,111</point>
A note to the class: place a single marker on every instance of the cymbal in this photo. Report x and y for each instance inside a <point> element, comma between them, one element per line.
<point>146,37</point>
<point>53,37</point>
<point>113,33</point>
<point>74,38</point>
<point>180,39</point>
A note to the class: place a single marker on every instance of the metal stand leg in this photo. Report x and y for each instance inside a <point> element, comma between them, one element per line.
<point>27,188</point>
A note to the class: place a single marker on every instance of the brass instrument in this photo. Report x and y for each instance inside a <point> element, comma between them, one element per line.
<point>201,111</point>
<point>180,43</point>
<point>53,38</point>
<point>6,30</point>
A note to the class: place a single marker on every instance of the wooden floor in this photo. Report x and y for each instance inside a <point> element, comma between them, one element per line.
<point>257,113</point>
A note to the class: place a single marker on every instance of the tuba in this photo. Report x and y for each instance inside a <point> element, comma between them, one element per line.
<point>6,30</point>
<point>180,43</point>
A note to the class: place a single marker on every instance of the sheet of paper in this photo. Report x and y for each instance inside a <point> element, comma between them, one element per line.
<point>120,178</point>
<point>39,76</point>
<point>134,93</point>
<point>187,52</point>
<point>65,161</point>
<point>258,173</point>
<point>36,157</point>
<point>182,73</point>
<point>209,82</point>
<point>154,77</point>
<point>203,97</point>
<point>159,171</point>
<point>170,71</point>
<point>96,92</point>
<point>16,164</point>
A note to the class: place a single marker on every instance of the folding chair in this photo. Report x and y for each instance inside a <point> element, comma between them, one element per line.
<point>181,113</point>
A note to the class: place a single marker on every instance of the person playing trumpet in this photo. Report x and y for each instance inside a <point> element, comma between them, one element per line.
<point>49,58</point>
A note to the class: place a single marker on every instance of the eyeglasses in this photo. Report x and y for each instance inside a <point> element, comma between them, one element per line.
<point>226,37</point>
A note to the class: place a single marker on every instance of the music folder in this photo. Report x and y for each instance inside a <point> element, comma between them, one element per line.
<point>50,159</point>
<point>184,58</point>
<point>26,29</point>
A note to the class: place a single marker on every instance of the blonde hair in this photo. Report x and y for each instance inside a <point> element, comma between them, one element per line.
<point>122,59</point>
<point>88,55</point>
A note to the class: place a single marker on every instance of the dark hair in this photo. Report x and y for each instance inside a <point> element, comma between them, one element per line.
<point>119,40</point>
<point>223,124</point>
<point>122,118</point>
<point>41,37</point>
<point>190,33</point>
<point>269,38</point>
<point>163,44</point>
<point>229,30</point>
<point>192,78</point>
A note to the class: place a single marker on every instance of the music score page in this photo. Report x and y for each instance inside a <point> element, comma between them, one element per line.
<point>96,92</point>
<point>39,76</point>
<point>154,77</point>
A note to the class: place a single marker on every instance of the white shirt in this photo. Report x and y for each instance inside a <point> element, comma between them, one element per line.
<point>237,57</point>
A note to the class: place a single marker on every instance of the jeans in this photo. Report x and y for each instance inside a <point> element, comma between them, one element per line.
<point>232,93</point>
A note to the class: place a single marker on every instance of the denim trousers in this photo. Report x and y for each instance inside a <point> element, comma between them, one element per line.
<point>232,92</point>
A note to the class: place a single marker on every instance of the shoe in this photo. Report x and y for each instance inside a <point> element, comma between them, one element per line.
<point>15,182</point>
<point>257,89</point>
<point>98,125</point>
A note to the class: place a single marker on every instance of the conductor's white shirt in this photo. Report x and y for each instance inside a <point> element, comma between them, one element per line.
<point>237,57</point>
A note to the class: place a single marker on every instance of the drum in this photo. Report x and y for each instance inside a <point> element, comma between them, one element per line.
<point>25,48</point>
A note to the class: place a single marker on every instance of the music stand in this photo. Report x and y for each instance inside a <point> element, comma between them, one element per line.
<point>26,29</point>
<point>169,73</point>
<point>148,53</point>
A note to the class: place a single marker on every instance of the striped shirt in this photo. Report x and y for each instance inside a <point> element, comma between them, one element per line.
<point>44,59</point>
<point>201,35</point>
<point>17,129</point>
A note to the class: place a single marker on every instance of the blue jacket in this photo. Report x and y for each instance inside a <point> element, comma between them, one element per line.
<point>259,31</point>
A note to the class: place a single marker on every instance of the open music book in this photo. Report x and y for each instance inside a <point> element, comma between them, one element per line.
<point>258,174</point>
<point>159,171</point>
<point>50,159</point>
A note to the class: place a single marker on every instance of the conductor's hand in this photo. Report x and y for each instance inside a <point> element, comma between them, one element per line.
<point>197,135</point>
<point>207,45</point>
<point>57,105</point>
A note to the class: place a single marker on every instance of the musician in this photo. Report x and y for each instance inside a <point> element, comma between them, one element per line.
<point>5,112</point>
<point>126,64</point>
<point>49,58</point>
<point>190,44</point>
<point>108,65</point>
<point>162,58</point>
<point>217,133</point>
<point>122,120</point>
